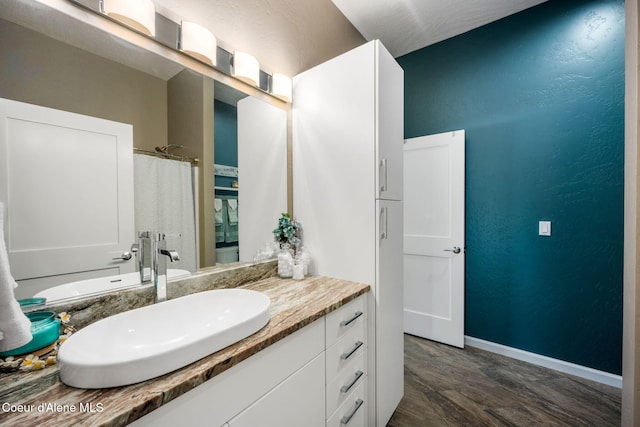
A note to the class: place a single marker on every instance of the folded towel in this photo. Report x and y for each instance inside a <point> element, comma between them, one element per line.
<point>217,208</point>
<point>219,233</point>
<point>231,234</point>
<point>232,211</point>
<point>15,327</point>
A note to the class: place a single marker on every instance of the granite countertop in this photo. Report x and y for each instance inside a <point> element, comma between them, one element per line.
<point>294,304</point>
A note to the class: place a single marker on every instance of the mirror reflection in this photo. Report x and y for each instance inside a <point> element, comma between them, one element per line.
<point>199,207</point>
<point>225,113</point>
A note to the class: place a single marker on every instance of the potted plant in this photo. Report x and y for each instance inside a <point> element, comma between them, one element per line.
<point>287,235</point>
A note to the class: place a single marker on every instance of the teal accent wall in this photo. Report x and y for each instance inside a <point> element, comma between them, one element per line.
<point>225,134</point>
<point>540,95</point>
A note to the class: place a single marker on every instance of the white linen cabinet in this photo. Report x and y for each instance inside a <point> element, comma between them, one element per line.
<point>348,116</point>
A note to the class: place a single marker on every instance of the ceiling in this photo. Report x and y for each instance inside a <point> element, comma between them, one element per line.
<point>291,36</point>
<point>286,36</point>
<point>407,25</point>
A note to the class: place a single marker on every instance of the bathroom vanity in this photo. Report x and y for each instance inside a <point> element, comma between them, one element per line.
<point>284,384</point>
<point>303,368</point>
<point>291,372</point>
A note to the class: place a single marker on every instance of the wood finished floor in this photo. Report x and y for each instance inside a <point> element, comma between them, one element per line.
<point>447,386</point>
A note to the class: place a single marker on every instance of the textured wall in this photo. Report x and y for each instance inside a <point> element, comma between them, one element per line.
<point>541,97</point>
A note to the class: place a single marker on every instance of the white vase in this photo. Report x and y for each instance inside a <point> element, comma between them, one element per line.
<point>298,269</point>
<point>305,256</point>
<point>285,263</point>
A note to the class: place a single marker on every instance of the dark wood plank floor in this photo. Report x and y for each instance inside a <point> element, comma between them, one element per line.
<point>447,386</point>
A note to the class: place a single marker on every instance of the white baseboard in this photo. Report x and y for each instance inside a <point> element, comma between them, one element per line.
<point>547,362</point>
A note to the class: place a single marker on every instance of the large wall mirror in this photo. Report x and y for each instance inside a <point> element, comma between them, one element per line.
<point>238,133</point>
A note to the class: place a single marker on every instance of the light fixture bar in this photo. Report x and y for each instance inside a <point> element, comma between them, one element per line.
<point>139,14</point>
<point>281,87</point>
<point>197,41</point>
<point>246,68</point>
<point>194,40</point>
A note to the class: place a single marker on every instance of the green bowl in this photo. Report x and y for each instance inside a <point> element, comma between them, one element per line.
<point>45,330</point>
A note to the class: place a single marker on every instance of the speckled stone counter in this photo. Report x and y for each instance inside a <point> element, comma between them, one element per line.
<point>47,402</point>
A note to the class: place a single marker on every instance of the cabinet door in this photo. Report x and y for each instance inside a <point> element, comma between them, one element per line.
<point>353,412</point>
<point>297,401</point>
<point>228,394</point>
<point>389,125</point>
<point>389,301</point>
<point>348,379</point>
<point>341,321</point>
<point>333,163</point>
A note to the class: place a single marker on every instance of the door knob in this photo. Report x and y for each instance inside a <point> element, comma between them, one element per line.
<point>455,250</point>
<point>126,256</point>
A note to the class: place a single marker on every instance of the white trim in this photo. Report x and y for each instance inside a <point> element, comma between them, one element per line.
<point>547,362</point>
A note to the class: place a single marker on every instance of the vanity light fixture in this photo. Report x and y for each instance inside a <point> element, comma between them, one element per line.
<point>139,14</point>
<point>197,41</point>
<point>246,67</point>
<point>192,39</point>
<point>281,86</point>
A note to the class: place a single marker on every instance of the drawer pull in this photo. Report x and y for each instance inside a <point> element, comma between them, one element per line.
<point>350,321</point>
<point>355,348</point>
<point>345,420</point>
<point>345,388</point>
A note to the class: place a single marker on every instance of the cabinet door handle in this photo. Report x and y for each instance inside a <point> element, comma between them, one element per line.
<point>350,321</point>
<point>345,420</point>
<point>383,174</point>
<point>349,353</point>
<point>383,224</point>
<point>345,388</point>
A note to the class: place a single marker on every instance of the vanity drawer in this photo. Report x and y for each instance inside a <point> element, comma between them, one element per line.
<point>349,378</point>
<point>340,322</point>
<point>353,411</point>
<point>350,346</point>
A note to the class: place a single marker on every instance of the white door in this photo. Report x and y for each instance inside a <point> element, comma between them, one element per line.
<point>434,237</point>
<point>67,183</point>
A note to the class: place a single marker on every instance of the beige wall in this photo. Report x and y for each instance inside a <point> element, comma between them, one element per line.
<point>38,70</point>
<point>190,106</point>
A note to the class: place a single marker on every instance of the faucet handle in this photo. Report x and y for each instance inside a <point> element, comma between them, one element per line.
<point>173,255</point>
<point>157,236</point>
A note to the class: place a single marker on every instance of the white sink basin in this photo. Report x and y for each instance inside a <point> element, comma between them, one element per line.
<point>147,342</point>
<point>100,285</point>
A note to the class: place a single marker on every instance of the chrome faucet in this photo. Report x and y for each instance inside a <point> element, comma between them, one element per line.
<point>159,265</point>
<point>143,245</point>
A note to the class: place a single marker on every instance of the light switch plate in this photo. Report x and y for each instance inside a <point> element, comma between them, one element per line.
<point>544,228</point>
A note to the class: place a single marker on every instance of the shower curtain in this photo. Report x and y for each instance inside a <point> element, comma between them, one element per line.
<point>164,202</point>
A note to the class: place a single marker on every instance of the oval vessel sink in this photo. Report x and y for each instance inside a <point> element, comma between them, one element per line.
<point>147,342</point>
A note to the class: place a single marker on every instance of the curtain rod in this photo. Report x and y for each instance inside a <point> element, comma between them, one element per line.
<point>193,160</point>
